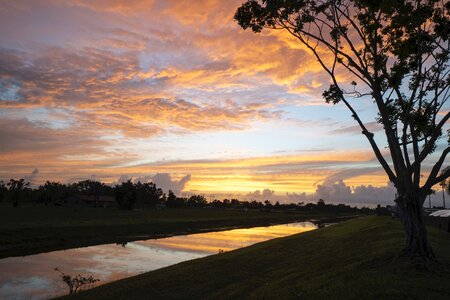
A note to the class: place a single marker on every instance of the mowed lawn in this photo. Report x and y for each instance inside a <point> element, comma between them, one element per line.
<point>30,229</point>
<point>356,259</point>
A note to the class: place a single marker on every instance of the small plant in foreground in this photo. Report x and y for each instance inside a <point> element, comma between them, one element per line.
<point>75,283</point>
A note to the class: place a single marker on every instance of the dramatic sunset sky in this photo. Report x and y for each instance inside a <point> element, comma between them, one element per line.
<point>175,92</point>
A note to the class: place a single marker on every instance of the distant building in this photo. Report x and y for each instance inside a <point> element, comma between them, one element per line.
<point>89,201</point>
<point>439,219</point>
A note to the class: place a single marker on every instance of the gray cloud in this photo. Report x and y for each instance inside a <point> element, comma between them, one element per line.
<point>31,177</point>
<point>361,195</point>
<point>162,180</point>
<point>265,194</point>
<point>166,183</point>
<point>349,173</point>
<point>355,129</point>
<point>340,192</point>
<point>123,178</point>
<point>19,135</point>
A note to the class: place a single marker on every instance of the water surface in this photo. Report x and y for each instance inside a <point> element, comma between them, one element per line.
<point>34,277</point>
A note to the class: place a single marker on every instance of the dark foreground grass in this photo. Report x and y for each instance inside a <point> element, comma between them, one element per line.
<point>356,259</point>
<point>30,229</point>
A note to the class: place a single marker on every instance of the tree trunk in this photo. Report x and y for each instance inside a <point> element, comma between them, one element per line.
<point>412,216</point>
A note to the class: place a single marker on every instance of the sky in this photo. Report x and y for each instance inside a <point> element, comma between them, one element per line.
<point>175,92</point>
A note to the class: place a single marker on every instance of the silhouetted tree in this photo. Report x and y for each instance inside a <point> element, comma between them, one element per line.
<point>174,201</point>
<point>216,203</point>
<point>91,188</point>
<point>51,192</point>
<point>149,194</point>
<point>235,203</point>
<point>448,186</point>
<point>443,185</point>
<point>394,53</point>
<point>226,203</point>
<point>196,201</point>
<point>126,195</point>
<point>16,190</point>
<point>3,191</point>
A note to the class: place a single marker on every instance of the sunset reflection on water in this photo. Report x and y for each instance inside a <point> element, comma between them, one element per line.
<point>212,242</point>
<point>33,277</point>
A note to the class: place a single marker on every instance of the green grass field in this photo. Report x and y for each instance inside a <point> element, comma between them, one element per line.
<point>356,259</point>
<point>30,229</point>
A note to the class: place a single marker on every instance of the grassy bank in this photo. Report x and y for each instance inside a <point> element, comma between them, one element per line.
<point>356,259</point>
<point>34,229</point>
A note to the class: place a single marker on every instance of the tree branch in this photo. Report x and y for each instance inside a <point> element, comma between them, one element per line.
<point>433,178</point>
<point>430,144</point>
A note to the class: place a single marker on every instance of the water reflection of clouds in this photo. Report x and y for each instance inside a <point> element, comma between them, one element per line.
<point>33,277</point>
<point>31,286</point>
<point>212,242</point>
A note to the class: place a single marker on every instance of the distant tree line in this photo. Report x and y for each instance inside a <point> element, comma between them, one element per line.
<point>129,195</point>
<point>126,194</point>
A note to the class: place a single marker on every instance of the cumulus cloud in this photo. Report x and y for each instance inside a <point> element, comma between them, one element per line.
<point>361,195</point>
<point>162,180</point>
<point>166,183</point>
<point>143,179</point>
<point>265,194</point>
<point>335,191</point>
<point>123,178</point>
<point>340,192</point>
<point>370,194</point>
<point>31,177</point>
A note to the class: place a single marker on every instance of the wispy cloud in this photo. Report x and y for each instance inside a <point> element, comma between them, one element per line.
<point>356,129</point>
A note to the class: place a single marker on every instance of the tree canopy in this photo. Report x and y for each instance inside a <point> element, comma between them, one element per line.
<point>394,53</point>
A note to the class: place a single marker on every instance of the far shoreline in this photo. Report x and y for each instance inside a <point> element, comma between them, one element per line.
<point>41,239</point>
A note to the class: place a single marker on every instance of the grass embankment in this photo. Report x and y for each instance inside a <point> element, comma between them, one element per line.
<point>33,229</point>
<point>357,259</point>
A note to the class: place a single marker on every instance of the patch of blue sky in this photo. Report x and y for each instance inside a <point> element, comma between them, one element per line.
<point>13,113</point>
<point>262,139</point>
<point>54,118</point>
<point>336,113</point>
<point>10,91</point>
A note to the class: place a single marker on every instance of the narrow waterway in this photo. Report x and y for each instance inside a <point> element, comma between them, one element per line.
<point>34,276</point>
